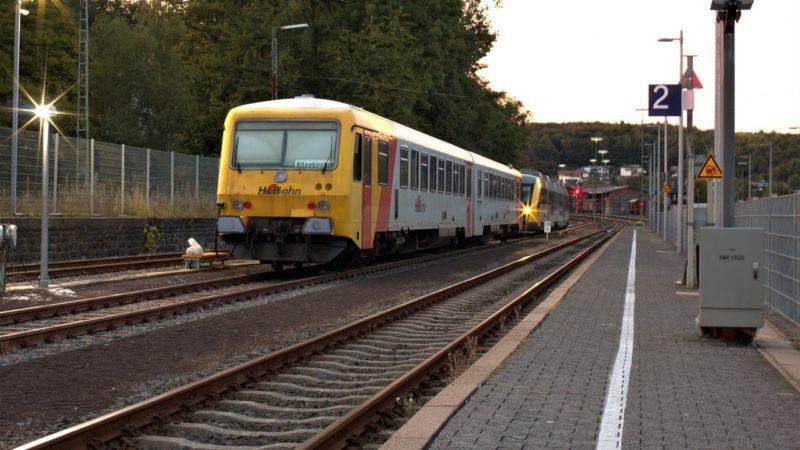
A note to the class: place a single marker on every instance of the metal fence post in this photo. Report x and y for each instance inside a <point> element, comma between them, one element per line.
<point>91,176</point>
<point>122,181</point>
<point>172,179</point>
<point>56,141</point>
<point>147,182</point>
<point>197,180</point>
<point>795,219</point>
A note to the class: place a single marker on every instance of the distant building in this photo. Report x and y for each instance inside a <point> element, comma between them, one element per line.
<point>616,200</point>
<point>604,172</point>
<point>632,170</point>
<point>569,177</point>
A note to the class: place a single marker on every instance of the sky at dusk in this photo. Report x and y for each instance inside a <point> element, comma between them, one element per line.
<point>586,60</point>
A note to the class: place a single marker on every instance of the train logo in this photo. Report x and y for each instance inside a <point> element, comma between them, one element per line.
<point>274,189</point>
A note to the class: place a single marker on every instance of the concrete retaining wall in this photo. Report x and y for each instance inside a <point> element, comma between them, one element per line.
<point>76,238</point>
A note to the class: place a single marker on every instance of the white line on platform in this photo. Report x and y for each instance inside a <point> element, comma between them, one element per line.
<point>610,435</point>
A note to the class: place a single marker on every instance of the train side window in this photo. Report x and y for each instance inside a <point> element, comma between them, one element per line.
<point>486,184</point>
<point>449,173</point>
<point>423,166</point>
<point>469,182</point>
<point>383,162</point>
<point>455,179</point>
<point>441,177</point>
<point>357,158</point>
<point>403,167</point>
<point>480,183</point>
<point>463,177</point>
<point>414,169</point>
<point>434,170</point>
<point>367,153</point>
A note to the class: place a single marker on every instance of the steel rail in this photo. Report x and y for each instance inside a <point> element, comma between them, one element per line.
<point>65,268</point>
<point>356,420</point>
<point>56,331</point>
<point>113,425</point>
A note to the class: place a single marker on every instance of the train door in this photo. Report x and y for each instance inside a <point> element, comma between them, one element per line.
<point>367,219</point>
<point>468,196</point>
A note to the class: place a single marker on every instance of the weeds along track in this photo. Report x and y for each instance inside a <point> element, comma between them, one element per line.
<point>322,391</point>
<point>48,323</point>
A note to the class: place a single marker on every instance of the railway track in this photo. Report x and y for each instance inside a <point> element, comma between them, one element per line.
<point>47,323</point>
<point>57,269</point>
<point>321,392</point>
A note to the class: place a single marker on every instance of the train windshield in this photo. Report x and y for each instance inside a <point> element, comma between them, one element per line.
<point>286,144</point>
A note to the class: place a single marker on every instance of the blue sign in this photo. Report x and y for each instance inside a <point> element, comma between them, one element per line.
<point>664,100</point>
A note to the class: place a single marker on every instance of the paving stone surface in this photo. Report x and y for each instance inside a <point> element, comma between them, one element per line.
<point>685,391</point>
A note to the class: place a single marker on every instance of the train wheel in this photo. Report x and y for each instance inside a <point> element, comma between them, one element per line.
<point>277,266</point>
<point>298,265</point>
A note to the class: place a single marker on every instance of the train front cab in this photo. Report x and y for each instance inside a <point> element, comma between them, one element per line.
<point>286,193</point>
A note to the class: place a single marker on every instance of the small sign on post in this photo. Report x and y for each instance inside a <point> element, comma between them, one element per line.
<point>710,169</point>
<point>548,227</point>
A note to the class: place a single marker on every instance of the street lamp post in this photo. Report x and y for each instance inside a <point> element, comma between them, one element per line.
<point>650,162</point>
<point>680,224</point>
<point>43,112</point>
<point>596,141</point>
<point>275,54</point>
<point>18,13</point>
<point>770,166</point>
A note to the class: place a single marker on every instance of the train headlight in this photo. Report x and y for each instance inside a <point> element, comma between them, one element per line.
<point>527,210</point>
<point>237,204</point>
<point>323,205</point>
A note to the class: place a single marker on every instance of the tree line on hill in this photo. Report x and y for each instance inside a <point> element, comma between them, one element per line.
<point>164,73</point>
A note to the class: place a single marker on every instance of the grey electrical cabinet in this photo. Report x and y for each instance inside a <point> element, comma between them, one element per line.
<point>731,272</point>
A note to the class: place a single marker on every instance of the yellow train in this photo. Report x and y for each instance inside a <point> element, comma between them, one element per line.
<point>312,180</point>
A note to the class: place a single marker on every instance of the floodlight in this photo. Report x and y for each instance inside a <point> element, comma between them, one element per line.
<point>723,5</point>
<point>24,11</point>
<point>292,27</point>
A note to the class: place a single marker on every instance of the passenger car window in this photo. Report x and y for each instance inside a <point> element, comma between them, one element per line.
<point>423,163</point>
<point>357,158</point>
<point>434,170</point>
<point>414,169</point>
<point>383,162</point>
<point>449,173</point>
<point>441,177</point>
<point>366,152</point>
<point>403,167</point>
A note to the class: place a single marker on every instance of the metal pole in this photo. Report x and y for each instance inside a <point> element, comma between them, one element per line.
<point>658,180</point>
<point>680,222</point>
<point>666,176</point>
<point>122,181</point>
<point>91,176</point>
<point>274,64</point>
<point>172,179</point>
<point>147,182</point>
<point>43,251</point>
<point>691,261</point>
<point>770,168</point>
<point>56,142</point>
<point>728,196</point>
<point>641,172</point>
<point>197,179</point>
<point>15,106</point>
<point>749,178</point>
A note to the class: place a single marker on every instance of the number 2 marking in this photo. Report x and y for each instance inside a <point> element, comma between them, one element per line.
<point>658,103</point>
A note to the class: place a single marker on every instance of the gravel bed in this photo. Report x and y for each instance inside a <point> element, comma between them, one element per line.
<point>97,374</point>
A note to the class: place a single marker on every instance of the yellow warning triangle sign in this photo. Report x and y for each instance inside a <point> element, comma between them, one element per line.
<point>710,168</point>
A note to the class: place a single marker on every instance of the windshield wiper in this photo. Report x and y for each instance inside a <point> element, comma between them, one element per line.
<point>325,166</point>
<point>236,154</point>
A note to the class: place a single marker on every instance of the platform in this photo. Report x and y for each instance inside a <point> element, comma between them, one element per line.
<point>658,384</point>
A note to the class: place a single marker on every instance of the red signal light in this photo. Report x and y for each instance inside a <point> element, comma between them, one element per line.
<point>311,205</point>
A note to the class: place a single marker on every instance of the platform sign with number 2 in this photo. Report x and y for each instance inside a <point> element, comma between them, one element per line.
<point>664,100</point>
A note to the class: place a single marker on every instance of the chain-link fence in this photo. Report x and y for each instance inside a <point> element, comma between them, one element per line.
<point>125,180</point>
<point>780,219</point>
